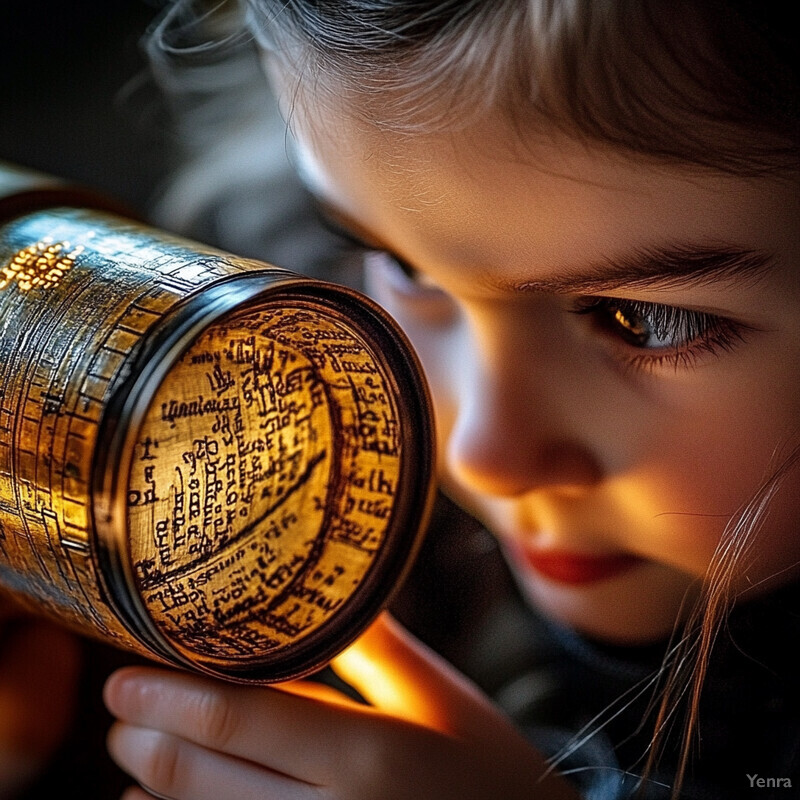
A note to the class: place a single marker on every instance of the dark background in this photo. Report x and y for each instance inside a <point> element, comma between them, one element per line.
<point>76,102</point>
<point>73,94</point>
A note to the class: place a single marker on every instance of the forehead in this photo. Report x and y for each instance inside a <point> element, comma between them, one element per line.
<point>485,197</point>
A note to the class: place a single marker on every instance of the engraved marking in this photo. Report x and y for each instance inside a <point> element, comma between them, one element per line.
<point>262,482</point>
<point>155,580</point>
<point>41,265</point>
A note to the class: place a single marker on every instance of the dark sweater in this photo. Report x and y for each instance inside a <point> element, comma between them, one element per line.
<point>555,683</point>
<point>748,736</point>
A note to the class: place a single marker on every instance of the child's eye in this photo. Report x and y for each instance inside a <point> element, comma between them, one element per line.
<point>402,277</point>
<point>661,334</point>
<point>405,291</point>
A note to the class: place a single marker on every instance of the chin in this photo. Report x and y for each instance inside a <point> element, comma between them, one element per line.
<point>637,609</point>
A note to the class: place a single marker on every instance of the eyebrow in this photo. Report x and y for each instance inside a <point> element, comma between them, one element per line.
<point>670,267</point>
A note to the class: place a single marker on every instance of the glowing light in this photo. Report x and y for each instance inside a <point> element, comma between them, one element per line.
<point>392,675</point>
<point>41,265</point>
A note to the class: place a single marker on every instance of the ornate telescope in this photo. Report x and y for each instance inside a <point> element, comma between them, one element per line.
<point>205,459</point>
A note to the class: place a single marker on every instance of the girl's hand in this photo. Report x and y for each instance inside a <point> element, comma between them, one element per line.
<point>428,735</point>
<point>38,678</point>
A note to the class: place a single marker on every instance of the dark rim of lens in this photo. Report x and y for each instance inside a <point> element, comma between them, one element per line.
<point>124,416</point>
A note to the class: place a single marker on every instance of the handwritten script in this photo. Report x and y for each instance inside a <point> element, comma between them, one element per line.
<point>263,482</point>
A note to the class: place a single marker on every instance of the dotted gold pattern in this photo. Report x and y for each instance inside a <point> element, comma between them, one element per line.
<point>265,474</point>
<point>41,265</point>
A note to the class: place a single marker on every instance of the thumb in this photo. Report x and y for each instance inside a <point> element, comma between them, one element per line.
<point>401,676</point>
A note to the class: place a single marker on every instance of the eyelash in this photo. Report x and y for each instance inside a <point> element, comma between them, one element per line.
<point>695,333</point>
<point>412,283</point>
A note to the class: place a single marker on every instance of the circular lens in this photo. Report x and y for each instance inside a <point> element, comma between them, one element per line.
<point>267,476</point>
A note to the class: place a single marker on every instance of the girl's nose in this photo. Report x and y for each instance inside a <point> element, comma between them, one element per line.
<point>520,425</point>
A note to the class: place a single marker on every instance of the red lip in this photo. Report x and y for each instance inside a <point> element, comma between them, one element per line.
<point>577,568</point>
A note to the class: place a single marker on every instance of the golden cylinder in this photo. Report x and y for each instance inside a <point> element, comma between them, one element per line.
<point>212,461</point>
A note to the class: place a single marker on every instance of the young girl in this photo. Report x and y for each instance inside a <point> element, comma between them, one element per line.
<point>585,216</point>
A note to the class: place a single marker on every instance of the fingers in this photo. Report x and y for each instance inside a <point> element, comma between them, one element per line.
<point>298,736</point>
<point>190,738</point>
<point>168,766</point>
<point>402,677</point>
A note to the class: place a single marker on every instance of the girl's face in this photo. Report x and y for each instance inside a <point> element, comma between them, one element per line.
<point>613,348</point>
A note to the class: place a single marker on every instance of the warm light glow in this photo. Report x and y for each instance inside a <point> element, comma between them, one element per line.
<point>360,666</point>
<point>244,536</point>
<point>39,266</point>
<point>392,675</point>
